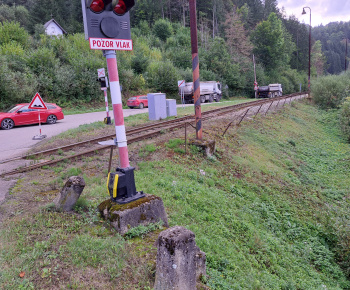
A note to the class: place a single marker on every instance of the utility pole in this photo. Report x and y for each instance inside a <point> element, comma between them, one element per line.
<point>195,68</point>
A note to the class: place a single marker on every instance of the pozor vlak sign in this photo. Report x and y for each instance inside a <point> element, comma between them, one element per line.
<point>113,44</point>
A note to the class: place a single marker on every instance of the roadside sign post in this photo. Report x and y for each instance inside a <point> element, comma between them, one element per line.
<point>38,104</point>
<point>181,85</point>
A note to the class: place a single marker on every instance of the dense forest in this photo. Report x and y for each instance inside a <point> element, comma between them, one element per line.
<point>333,38</point>
<point>230,32</point>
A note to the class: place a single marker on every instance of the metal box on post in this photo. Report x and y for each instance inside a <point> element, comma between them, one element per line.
<point>157,106</point>
<point>171,108</point>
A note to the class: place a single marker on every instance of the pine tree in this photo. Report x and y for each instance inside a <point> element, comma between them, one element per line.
<point>236,37</point>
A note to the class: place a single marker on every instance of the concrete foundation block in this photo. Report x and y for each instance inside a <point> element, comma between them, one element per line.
<point>180,263</point>
<point>207,147</point>
<point>70,193</point>
<point>123,217</point>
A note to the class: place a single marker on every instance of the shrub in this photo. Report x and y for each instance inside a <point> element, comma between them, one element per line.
<point>330,91</point>
<point>163,76</point>
<point>12,48</point>
<point>131,83</point>
<point>21,82</point>
<point>11,31</point>
<point>345,118</point>
<point>162,29</point>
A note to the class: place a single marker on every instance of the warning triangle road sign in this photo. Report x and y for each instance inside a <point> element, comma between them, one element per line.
<point>37,103</point>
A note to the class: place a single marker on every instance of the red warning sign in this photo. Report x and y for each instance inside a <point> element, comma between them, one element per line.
<point>37,103</point>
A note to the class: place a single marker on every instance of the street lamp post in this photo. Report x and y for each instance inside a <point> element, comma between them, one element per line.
<point>304,12</point>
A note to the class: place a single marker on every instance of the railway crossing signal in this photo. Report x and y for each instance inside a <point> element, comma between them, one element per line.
<point>107,26</point>
<point>105,20</point>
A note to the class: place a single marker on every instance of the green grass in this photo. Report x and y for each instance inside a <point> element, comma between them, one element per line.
<point>271,210</point>
<point>270,228</point>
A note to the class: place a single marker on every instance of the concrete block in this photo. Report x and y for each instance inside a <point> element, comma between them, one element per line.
<point>70,193</point>
<point>123,217</point>
<point>206,146</point>
<point>180,263</point>
<point>171,108</point>
<point>156,106</point>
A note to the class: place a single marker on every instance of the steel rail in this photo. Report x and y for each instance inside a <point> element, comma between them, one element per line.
<point>160,125</point>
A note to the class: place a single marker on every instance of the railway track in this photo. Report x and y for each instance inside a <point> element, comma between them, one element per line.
<point>137,134</point>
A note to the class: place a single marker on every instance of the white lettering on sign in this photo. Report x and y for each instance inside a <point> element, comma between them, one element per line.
<point>110,44</point>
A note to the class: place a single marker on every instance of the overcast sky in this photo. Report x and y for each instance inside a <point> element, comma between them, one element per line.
<point>322,11</point>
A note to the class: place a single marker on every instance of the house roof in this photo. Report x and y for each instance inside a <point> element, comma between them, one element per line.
<point>54,21</point>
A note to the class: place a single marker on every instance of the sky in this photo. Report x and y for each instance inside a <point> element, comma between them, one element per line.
<point>322,11</point>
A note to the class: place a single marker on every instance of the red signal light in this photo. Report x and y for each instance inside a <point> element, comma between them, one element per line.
<point>97,6</point>
<point>120,8</point>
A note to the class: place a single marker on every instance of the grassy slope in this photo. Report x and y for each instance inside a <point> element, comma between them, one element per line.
<point>271,211</point>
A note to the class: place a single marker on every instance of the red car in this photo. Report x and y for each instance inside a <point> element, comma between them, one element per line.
<point>137,101</point>
<point>21,115</point>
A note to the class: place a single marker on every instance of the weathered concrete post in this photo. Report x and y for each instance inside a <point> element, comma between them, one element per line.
<point>70,193</point>
<point>180,263</point>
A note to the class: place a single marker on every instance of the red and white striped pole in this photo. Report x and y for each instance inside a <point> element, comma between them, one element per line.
<point>107,119</point>
<point>116,97</point>
<point>106,101</point>
<point>39,124</point>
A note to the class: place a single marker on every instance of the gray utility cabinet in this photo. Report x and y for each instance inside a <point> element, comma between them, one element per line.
<point>171,108</point>
<point>157,106</point>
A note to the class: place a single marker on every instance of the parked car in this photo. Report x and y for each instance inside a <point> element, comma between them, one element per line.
<point>137,101</point>
<point>21,115</point>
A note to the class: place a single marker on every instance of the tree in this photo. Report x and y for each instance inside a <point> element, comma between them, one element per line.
<point>14,13</point>
<point>162,29</point>
<point>318,60</point>
<point>273,44</point>
<point>66,12</point>
<point>236,37</point>
<point>269,7</point>
<point>300,36</point>
<point>256,11</point>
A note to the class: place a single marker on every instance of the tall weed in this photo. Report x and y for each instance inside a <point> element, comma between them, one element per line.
<point>345,118</point>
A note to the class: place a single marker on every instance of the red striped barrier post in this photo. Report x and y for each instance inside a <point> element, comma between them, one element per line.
<point>39,123</point>
<point>116,97</point>
<point>195,69</point>
<point>121,184</point>
<point>108,119</point>
<point>106,102</point>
